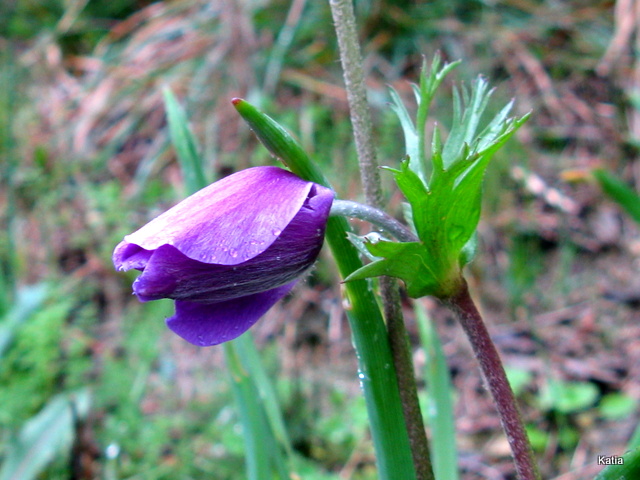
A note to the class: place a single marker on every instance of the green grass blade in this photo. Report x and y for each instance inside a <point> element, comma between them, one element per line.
<point>440,411</point>
<point>251,361</point>
<point>615,189</point>
<point>249,409</point>
<point>185,143</point>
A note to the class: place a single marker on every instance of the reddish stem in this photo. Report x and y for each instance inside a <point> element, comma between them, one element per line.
<point>496,378</point>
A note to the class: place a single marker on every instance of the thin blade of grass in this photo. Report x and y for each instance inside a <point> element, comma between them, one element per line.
<point>185,143</point>
<point>251,361</point>
<point>440,410</point>
<point>251,417</point>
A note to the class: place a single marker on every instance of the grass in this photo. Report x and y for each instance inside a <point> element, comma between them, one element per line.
<point>85,159</point>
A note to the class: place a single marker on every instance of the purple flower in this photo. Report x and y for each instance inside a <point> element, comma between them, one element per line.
<point>229,252</point>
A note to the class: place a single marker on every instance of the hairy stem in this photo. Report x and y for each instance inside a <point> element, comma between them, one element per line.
<point>351,59</point>
<point>493,371</point>
<point>401,353</point>
<point>347,208</point>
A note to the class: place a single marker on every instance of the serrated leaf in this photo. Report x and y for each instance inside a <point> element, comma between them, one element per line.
<point>411,140</point>
<point>405,261</point>
<point>416,193</point>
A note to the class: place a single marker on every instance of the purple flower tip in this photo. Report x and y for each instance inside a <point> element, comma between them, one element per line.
<point>229,252</point>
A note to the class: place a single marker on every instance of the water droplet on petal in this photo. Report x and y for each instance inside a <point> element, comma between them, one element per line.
<point>233,253</point>
<point>276,232</point>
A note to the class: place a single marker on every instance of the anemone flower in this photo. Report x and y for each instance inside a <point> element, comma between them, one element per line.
<point>229,252</point>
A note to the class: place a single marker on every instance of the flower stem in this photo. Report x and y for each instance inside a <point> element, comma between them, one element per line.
<point>490,364</point>
<point>351,59</point>
<point>347,208</point>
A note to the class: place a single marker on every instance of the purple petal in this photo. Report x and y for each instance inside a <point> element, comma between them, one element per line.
<point>228,222</point>
<point>127,256</point>
<point>170,274</point>
<point>210,324</point>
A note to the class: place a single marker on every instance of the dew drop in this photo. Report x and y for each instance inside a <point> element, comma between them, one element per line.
<point>233,253</point>
<point>276,232</point>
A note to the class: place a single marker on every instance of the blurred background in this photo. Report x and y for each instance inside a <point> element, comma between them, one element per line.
<point>85,158</point>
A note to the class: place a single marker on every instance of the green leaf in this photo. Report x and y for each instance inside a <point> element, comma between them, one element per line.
<point>279,142</point>
<point>401,260</point>
<point>616,406</point>
<point>415,191</point>
<point>251,360</point>
<point>411,139</point>
<point>568,397</point>
<point>263,455</point>
<point>425,92</point>
<point>445,210</point>
<point>615,189</point>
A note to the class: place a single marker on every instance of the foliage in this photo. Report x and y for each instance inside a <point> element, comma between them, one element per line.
<point>445,210</point>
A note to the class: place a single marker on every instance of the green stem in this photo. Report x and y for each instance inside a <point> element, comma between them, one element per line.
<point>351,59</point>
<point>493,371</point>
